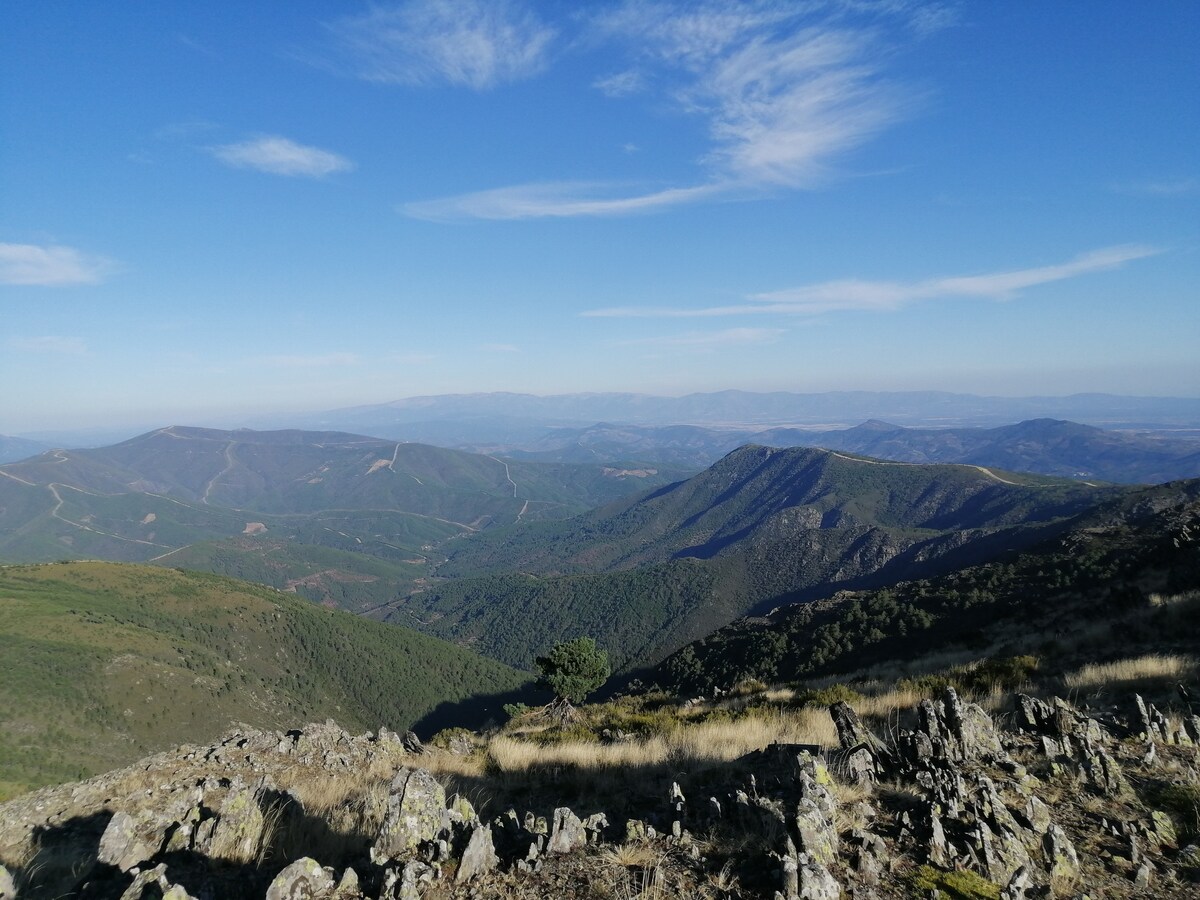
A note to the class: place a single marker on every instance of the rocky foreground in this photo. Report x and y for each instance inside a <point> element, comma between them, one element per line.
<point>1064,802</point>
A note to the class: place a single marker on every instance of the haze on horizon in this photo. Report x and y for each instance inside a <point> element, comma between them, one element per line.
<point>210,213</point>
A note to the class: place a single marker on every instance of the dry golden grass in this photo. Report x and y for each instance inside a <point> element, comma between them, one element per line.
<point>694,743</point>
<point>1128,672</point>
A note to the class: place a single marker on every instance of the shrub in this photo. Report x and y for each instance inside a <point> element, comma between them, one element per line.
<point>573,669</point>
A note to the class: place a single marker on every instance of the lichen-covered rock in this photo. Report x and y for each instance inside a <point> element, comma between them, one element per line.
<point>239,827</point>
<point>416,813</point>
<point>8,890</point>
<point>305,879</point>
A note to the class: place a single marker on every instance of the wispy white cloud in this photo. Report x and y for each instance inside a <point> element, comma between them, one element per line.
<point>558,199</point>
<point>311,361</point>
<point>280,156</point>
<point>785,93</point>
<point>1177,187</point>
<point>475,43</point>
<point>831,296</point>
<point>50,343</point>
<point>51,266</point>
<point>710,339</point>
<point>621,84</point>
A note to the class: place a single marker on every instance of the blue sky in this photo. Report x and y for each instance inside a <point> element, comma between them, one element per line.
<point>208,211</point>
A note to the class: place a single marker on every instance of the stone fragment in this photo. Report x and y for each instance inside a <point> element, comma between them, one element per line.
<point>816,881</point>
<point>480,856</point>
<point>305,879</point>
<point>1017,885</point>
<point>128,842</point>
<point>150,879</point>
<point>567,834</point>
<point>416,814</point>
<point>8,890</point>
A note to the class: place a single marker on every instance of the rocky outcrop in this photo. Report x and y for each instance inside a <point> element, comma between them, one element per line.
<point>948,794</point>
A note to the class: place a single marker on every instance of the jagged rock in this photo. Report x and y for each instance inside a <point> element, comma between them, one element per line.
<point>143,881</point>
<point>567,834</point>
<point>348,887</point>
<point>1061,860</point>
<point>1017,885</point>
<point>412,743</point>
<point>405,883</point>
<point>864,754</point>
<point>817,882</point>
<point>1164,828</point>
<point>305,879</point>
<point>594,827</point>
<point>8,890</point>
<point>461,811</point>
<point>1037,814</point>
<point>814,823</point>
<point>128,841</point>
<point>938,850</point>
<point>1141,878</point>
<point>416,813</point>
<point>1104,773</point>
<point>870,857</point>
<point>480,855</point>
<point>1153,725</point>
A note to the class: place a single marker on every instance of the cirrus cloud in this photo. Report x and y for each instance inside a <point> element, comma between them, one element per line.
<point>280,156</point>
<point>858,294</point>
<point>54,265</point>
<point>785,92</point>
<point>475,43</point>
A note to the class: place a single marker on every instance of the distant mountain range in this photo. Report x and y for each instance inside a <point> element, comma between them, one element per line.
<point>647,574</point>
<point>1047,446</point>
<point>505,416</point>
<point>15,448</point>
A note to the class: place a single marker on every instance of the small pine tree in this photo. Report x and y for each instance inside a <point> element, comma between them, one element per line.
<point>573,669</point>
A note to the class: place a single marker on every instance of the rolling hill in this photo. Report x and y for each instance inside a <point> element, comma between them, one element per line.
<point>297,510</point>
<point>102,663</point>
<point>646,575</point>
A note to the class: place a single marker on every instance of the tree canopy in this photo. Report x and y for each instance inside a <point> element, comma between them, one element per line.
<point>573,669</point>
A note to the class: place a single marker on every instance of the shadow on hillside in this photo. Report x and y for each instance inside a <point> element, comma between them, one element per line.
<point>64,859</point>
<point>66,864</point>
<point>476,713</point>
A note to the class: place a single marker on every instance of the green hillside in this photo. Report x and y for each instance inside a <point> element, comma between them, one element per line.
<point>647,575</point>
<point>760,494</point>
<point>1087,594</point>
<point>102,663</point>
